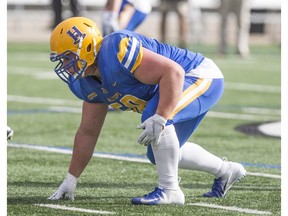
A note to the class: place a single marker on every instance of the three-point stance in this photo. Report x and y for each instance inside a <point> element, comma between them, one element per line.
<point>172,88</point>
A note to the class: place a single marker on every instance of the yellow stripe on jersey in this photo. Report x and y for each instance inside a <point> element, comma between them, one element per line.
<point>191,93</point>
<point>130,53</point>
<point>122,49</point>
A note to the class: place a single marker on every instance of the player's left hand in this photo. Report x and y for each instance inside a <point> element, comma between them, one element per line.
<point>153,129</point>
<point>66,189</point>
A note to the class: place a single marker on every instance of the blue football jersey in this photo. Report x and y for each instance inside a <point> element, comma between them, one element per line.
<point>119,56</point>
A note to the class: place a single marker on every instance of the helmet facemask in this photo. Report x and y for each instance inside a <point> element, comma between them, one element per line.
<point>69,65</point>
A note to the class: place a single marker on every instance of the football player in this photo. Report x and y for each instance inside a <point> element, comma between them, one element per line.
<point>171,88</point>
<point>124,14</point>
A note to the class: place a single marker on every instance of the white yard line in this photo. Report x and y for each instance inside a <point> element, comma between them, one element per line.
<point>67,208</point>
<point>111,156</point>
<point>252,87</point>
<point>212,114</point>
<point>264,111</point>
<point>239,116</point>
<point>61,105</point>
<point>40,100</point>
<point>228,85</point>
<point>232,208</point>
<point>263,175</point>
<point>65,109</point>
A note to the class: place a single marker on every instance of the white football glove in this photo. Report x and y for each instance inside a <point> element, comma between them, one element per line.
<point>66,189</point>
<point>109,22</point>
<point>153,129</point>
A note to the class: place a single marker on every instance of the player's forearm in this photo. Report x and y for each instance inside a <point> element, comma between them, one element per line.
<point>171,87</point>
<point>93,116</point>
<point>82,152</point>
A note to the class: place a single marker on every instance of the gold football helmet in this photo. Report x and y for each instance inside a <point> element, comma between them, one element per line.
<point>74,43</point>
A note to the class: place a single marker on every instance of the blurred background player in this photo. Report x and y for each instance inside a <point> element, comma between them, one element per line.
<point>57,6</point>
<point>241,10</point>
<point>124,14</point>
<point>181,7</point>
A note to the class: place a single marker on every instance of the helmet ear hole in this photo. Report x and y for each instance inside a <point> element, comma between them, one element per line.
<point>89,48</point>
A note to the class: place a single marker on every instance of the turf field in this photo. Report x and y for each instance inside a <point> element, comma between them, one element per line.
<point>45,115</point>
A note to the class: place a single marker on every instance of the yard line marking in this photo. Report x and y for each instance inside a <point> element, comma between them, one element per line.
<point>211,114</point>
<point>66,109</point>
<point>69,151</point>
<point>252,87</point>
<point>228,85</point>
<point>263,175</point>
<point>110,156</point>
<point>67,208</point>
<point>239,116</point>
<point>39,100</point>
<point>57,103</point>
<point>232,208</point>
<point>264,111</point>
<point>37,73</point>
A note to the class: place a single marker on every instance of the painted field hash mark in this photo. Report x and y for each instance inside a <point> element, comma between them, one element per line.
<point>232,208</point>
<point>68,208</point>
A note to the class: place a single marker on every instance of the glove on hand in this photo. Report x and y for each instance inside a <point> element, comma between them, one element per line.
<point>153,129</point>
<point>110,22</point>
<point>66,189</point>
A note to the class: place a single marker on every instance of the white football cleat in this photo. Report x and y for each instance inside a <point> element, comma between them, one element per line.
<point>160,197</point>
<point>220,187</point>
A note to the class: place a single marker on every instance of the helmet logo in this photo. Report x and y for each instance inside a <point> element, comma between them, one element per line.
<point>75,34</point>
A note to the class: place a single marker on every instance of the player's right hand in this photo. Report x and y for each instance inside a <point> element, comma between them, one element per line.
<point>66,189</point>
<point>153,128</point>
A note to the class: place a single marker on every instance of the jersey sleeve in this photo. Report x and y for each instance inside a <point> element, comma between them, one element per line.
<point>76,89</point>
<point>130,52</point>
